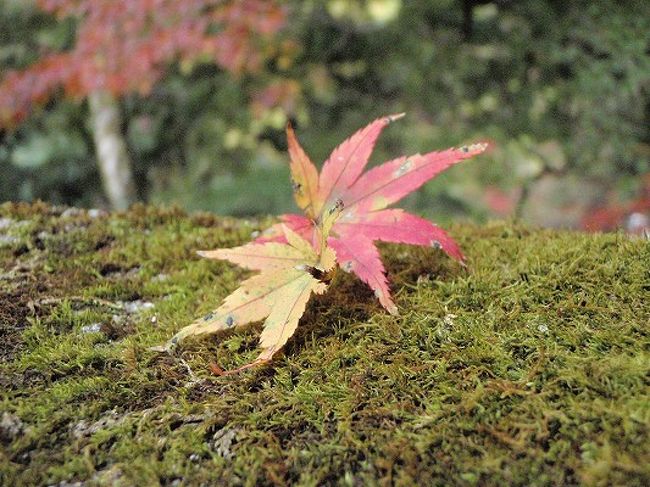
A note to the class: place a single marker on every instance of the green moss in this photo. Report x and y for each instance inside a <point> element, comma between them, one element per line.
<point>529,368</point>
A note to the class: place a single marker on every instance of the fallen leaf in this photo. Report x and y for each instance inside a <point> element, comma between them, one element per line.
<point>290,272</point>
<point>365,197</point>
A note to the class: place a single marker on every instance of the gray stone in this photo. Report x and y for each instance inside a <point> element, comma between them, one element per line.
<point>93,328</point>
<point>137,306</point>
<point>11,427</point>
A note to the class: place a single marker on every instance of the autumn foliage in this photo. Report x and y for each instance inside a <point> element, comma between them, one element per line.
<point>290,272</point>
<point>344,214</point>
<point>366,196</point>
<point>124,45</point>
<point>634,216</point>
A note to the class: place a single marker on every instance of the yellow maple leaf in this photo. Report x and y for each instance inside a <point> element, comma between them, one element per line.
<point>290,272</point>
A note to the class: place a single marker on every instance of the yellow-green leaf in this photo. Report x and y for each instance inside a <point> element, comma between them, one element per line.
<point>290,273</point>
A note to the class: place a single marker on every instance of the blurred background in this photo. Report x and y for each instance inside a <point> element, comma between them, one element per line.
<point>108,102</point>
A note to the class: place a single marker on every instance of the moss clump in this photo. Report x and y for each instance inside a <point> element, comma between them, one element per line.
<point>529,369</point>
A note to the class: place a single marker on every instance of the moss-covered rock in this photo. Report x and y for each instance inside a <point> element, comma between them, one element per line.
<point>529,368</point>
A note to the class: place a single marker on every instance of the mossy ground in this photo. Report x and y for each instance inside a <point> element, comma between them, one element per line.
<point>530,368</point>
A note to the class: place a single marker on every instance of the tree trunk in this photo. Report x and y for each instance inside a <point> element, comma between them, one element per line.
<point>110,148</point>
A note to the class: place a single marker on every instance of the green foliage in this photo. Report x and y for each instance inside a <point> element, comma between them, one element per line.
<point>529,368</point>
<point>50,156</point>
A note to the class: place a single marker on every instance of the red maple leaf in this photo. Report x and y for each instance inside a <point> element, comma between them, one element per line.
<point>365,197</point>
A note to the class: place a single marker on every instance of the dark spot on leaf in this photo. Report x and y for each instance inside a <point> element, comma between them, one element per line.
<point>230,321</point>
<point>208,317</point>
<point>338,205</point>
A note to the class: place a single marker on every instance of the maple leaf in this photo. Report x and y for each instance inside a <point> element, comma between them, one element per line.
<point>290,272</point>
<point>365,197</point>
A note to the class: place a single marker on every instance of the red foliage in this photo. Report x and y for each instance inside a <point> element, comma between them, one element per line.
<point>633,216</point>
<point>124,46</point>
<point>342,183</point>
<point>500,202</point>
<point>280,93</point>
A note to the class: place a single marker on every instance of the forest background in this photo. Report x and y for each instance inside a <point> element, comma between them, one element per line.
<point>197,98</point>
